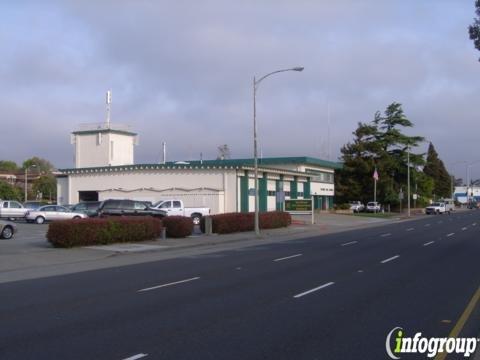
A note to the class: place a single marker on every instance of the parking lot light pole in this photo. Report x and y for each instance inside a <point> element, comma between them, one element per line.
<point>256,83</point>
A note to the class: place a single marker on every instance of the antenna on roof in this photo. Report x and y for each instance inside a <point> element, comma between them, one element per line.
<point>109,102</point>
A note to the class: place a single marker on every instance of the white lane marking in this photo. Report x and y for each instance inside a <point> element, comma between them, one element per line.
<point>385,235</point>
<point>288,257</point>
<point>169,284</point>
<point>451,234</point>
<point>410,229</point>
<point>464,228</point>
<point>427,225</point>
<point>349,243</point>
<point>428,243</point>
<point>313,290</point>
<point>135,357</point>
<point>390,259</point>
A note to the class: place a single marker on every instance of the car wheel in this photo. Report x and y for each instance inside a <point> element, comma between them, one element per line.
<point>76,217</point>
<point>7,232</point>
<point>196,219</point>
<point>40,220</point>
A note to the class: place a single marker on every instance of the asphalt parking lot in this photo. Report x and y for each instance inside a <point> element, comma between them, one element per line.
<point>28,238</point>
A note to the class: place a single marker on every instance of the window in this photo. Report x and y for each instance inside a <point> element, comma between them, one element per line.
<point>287,193</point>
<point>15,205</point>
<point>271,193</point>
<point>140,205</point>
<point>177,204</point>
<point>166,205</point>
<point>5,204</point>
<point>300,194</point>
<point>48,208</point>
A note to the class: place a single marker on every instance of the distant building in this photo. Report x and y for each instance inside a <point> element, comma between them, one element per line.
<point>464,194</point>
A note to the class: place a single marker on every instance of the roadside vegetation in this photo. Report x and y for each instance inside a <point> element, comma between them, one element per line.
<point>239,222</point>
<point>382,144</point>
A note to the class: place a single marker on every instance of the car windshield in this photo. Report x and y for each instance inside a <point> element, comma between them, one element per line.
<point>437,204</point>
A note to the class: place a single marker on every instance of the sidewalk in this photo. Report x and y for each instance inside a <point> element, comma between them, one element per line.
<point>33,257</point>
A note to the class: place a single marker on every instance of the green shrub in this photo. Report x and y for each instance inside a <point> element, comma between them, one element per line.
<point>101,231</point>
<point>239,222</point>
<point>178,226</point>
<point>344,206</point>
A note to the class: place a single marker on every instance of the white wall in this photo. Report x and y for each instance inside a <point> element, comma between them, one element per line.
<point>95,149</point>
<point>195,187</point>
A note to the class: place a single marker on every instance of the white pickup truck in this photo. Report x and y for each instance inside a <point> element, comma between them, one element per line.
<point>12,209</point>
<point>176,208</point>
<point>438,208</point>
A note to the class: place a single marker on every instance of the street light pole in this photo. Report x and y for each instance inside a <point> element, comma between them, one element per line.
<point>26,180</point>
<point>256,83</point>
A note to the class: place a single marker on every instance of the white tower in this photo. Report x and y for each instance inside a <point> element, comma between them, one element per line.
<point>104,144</point>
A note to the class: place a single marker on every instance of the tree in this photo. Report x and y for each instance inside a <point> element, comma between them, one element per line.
<point>380,144</point>
<point>9,192</point>
<point>474,29</point>
<point>435,169</point>
<point>223,152</point>
<point>42,165</point>
<point>6,165</point>
<point>45,185</point>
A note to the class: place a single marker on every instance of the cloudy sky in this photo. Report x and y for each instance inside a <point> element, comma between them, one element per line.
<point>182,71</point>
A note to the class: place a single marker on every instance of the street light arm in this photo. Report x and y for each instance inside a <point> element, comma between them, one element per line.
<point>257,82</point>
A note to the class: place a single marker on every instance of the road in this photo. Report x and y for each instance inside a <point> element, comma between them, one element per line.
<point>331,297</point>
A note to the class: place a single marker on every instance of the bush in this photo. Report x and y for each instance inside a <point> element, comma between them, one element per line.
<point>101,231</point>
<point>239,222</point>
<point>344,206</point>
<point>178,226</point>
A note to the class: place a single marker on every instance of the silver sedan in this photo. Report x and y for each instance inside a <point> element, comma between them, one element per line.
<point>51,213</point>
<point>7,229</point>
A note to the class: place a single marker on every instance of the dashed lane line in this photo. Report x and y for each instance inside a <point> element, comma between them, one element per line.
<point>349,243</point>
<point>410,229</point>
<point>313,290</point>
<point>464,228</point>
<point>389,259</point>
<point>451,234</point>
<point>429,243</point>
<point>288,257</point>
<point>385,235</point>
<point>169,284</point>
<point>137,356</point>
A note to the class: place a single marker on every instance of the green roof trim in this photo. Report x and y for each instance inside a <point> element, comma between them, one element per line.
<point>214,164</point>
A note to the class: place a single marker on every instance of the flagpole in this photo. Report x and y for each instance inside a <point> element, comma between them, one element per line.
<point>375,193</point>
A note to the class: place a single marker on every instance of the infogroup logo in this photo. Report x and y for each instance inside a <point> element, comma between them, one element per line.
<point>397,343</point>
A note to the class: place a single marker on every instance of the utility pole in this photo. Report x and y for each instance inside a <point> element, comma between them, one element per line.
<point>408,182</point>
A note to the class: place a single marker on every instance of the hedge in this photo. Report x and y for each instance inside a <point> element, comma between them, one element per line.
<point>178,226</point>
<point>101,231</point>
<point>238,222</point>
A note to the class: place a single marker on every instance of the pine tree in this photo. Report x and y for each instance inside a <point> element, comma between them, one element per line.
<point>435,169</point>
<point>474,29</point>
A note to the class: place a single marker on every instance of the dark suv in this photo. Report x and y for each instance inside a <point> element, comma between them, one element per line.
<point>88,208</point>
<point>114,207</point>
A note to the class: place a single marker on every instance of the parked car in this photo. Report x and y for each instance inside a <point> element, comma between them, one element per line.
<point>7,229</point>
<point>177,208</point>
<point>356,206</point>
<point>12,209</point>
<point>51,213</point>
<point>437,208</point>
<point>34,205</point>
<point>373,206</point>
<point>114,207</point>
<point>88,208</point>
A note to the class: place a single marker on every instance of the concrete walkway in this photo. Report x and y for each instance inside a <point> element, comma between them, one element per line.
<point>30,256</point>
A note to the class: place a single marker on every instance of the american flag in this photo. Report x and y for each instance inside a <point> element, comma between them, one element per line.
<point>375,175</point>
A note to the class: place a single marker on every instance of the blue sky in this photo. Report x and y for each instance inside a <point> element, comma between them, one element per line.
<point>181,72</point>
